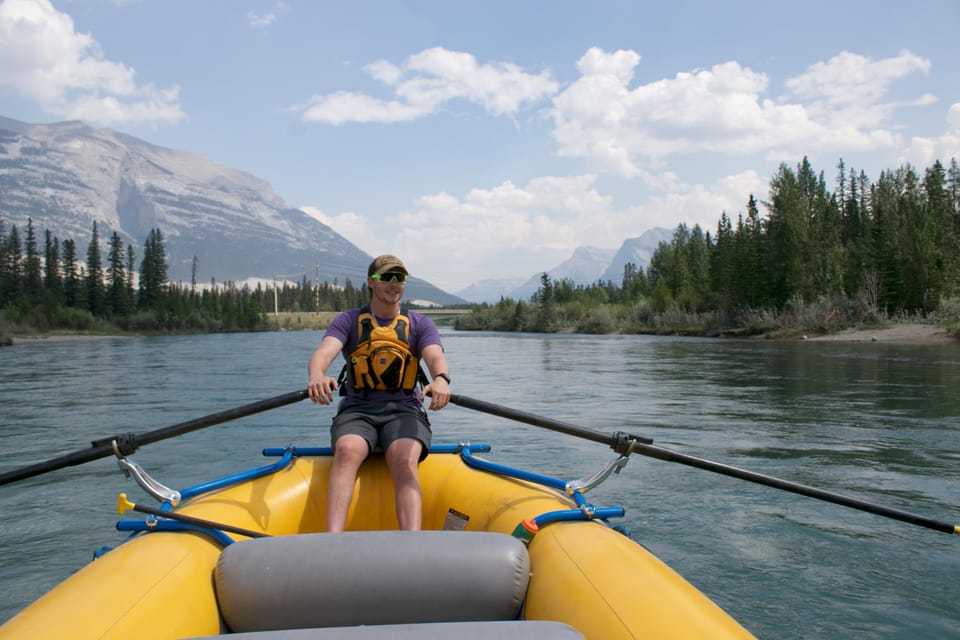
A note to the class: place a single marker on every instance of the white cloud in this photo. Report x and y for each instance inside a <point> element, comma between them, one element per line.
<point>263,19</point>
<point>258,20</point>
<point>350,225</point>
<point>45,60</point>
<point>850,78</point>
<point>344,106</point>
<point>426,82</point>
<point>834,106</point>
<point>923,152</point>
<point>508,231</point>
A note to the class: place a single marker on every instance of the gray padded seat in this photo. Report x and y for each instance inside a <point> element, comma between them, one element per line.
<point>345,585</point>
<point>491,630</point>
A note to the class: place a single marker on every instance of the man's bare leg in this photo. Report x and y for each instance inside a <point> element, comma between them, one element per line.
<point>350,452</point>
<point>403,457</point>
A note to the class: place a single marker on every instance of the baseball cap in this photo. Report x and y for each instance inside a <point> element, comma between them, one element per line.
<point>384,263</point>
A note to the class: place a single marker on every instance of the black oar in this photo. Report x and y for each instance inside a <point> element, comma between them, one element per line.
<point>624,442</point>
<point>127,443</point>
<point>124,505</point>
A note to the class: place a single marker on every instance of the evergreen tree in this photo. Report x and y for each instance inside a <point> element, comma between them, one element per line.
<point>545,303</point>
<point>52,280</point>
<point>153,272</point>
<point>885,246</point>
<point>131,278</point>
<point>93,283</point>
<point>697,255</point>
<point>724,263</point>
<point>11,276</point>
<point>953,185</point>
<point>806,256</point>
<point>116,278</point>
<point>32,273</point>
<point>753,282</point>
<point>944,263</point>
<point>916,231</point>
<point>306,298</point>
<point>4,268</point>
<point>71,277</point>
<point>828,252</point>
<point>855,236</point>
<point>634,285</point>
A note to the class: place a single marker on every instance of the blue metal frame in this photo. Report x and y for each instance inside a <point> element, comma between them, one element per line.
<point>584,510</point>
<point>499,469</point>
<point>243,476</point>
<point>152,524</point>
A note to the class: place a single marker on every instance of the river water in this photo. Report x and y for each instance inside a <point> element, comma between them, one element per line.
<point>875,421</point>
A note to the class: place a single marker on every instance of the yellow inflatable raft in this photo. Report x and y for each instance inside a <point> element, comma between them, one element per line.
<point>567,573</point>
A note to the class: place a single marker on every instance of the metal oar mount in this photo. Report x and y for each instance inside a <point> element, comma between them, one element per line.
<point>626,443</point>
<point>127,443</point>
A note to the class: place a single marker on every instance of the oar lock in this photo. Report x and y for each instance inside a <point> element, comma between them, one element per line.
<point>582,485</point>
<point>132,469</point>
<point>123,444</point>
<point>625,443</point>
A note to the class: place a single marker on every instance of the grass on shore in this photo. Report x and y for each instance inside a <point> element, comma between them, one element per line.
<point>300,321</point>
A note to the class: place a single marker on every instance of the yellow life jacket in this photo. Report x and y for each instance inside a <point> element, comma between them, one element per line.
<point>382,360</point>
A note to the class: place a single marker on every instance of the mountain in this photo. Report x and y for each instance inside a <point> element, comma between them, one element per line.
<point>583,267</point>
<point>635,250</point>
<point>586,266</point>
<point>489,290</point>
<point>68,175</point>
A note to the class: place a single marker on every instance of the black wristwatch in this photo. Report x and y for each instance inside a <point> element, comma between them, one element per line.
<point>442,375</point>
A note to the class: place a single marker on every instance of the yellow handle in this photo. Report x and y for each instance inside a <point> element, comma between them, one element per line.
<point>124,505</point>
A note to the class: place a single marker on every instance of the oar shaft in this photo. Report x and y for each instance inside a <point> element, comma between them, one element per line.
<point>539,421</point>
<point>222,416</point>
<point>812,492</point>
<point>200,522</point>
<point>645,447</point>
<point>68,460</point>
<point>104,447</point>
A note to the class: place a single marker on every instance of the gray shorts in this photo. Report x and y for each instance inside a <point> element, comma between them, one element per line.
<point>381,424</point>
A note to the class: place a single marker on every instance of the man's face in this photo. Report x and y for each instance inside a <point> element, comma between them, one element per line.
<point>387,288</point>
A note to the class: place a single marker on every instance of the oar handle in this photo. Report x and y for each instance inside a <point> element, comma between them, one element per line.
<point>129,442</point>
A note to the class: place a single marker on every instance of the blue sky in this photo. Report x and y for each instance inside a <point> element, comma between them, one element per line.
<point>490,139</point>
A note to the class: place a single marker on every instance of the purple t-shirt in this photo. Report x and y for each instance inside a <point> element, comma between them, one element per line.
<point>423,333</point>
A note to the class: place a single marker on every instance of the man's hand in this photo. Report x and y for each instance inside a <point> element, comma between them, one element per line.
<point>439,392</point>
<point>321,390</point>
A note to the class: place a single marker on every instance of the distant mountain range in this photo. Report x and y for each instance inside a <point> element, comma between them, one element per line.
<point>586,266</point>
<point>68,175</point>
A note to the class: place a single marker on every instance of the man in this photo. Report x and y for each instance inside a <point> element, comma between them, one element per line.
<point>381,409</point>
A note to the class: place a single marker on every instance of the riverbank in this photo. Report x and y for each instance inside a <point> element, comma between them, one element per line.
<point>43,338</point>
<point>907,333</point>
<point>901,333</point>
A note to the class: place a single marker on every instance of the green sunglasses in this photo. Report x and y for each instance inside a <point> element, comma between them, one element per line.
<point>392,277</point>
